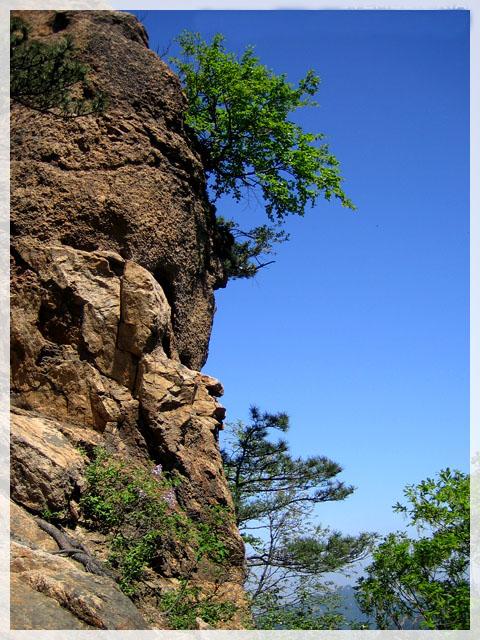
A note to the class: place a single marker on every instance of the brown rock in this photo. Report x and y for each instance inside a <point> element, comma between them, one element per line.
<point>201,624</point>
<point>66,338</point>
<point>138,400</point>
<point>111,302</point>
<point>182,421</point>
<point>45,469</point>
<point>30,609</point>
<point>145,311</point>
<point>25,530</point>
<point>93,600</point>
<point>85,282</point>
<point>141,182</point>
<point>51,592</point>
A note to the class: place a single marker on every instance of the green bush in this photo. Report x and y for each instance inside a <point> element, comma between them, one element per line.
<point>188,602</point>
<point>424,578</point>
<point>139,511</point>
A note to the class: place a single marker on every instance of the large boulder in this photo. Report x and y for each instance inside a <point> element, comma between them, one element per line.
<point>94,364</point>
<point>51,592</point>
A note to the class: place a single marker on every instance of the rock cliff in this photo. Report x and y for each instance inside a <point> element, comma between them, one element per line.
<point>112,280</point>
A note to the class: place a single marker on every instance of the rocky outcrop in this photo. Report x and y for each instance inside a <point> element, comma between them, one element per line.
<point>51,592</point>
<point>88,369</point>
<point>46,470</point>
<point>128,180</point>
<point>112,277</point>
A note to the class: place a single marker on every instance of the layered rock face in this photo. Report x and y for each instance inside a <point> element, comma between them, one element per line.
<point>113,272</point>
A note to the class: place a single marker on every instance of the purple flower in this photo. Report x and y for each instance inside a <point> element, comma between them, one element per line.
<point>157,470</point>
<point>170,498</point>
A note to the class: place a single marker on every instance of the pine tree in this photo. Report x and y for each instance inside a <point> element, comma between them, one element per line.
<point>275,495</point>
<point>49,77</point>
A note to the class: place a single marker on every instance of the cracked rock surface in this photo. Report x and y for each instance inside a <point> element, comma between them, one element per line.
<point>87,351</point>
<point>93,364</point>
<point>51,592</point>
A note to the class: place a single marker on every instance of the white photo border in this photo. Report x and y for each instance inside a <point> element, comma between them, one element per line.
<point>474,8</point>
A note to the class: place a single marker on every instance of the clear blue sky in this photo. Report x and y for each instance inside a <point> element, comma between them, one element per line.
<point>359,331</point>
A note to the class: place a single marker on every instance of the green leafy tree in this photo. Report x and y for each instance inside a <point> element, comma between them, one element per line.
<point>424,578</point>
<point>49,77</point>
<point>239,111</point>
<point>274,496</point>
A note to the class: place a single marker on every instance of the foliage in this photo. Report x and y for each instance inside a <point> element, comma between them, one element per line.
<point>239,111</point>
<point>140,512</point>
<point>49,77</point>
<point>54,516</point>
<point>274,496</point>
<point>241,251</point>
<point>238,108</point>
<point>188,602</point>
<point>132,507</point>
<point>262,474</point>
<point>425,577</point>
<point>315,605</point>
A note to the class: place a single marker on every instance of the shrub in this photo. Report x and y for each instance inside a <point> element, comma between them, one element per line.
<point>139,511</point>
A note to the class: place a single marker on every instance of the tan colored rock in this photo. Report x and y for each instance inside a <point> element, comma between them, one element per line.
<point>46,470</point>
<point>25,338</point>
<point>93,600</point>
<point>160,408</point>
<point>124,368</point>
<point>145,311</point>
<point>113,271</point>
<point>183,420</point>
<point>25,530</point>
<point>66,338</point>
<point>80,438</point>
<point>86,280</point>
<point>51,592</point>
<point>128,180</point>
<point>30,609</point>
<point>201,624</point>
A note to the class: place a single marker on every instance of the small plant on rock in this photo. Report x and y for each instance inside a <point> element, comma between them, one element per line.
<point>140,512</point>
<point>49,77</point>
